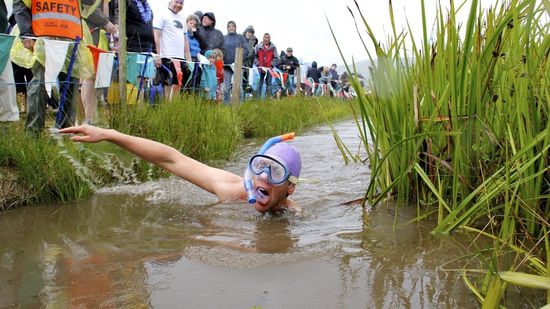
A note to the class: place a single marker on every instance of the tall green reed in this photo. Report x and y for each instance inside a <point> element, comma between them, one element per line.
<point>458,125</point>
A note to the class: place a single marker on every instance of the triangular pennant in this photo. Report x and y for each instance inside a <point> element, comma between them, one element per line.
<point>104,70</point>
<point>179,73</point>
<point>6,41</point>
<point>132,68</point>
<point>273,73</point>
<point>95,54</point>
<point>203,59</point>
<point>56,52</point>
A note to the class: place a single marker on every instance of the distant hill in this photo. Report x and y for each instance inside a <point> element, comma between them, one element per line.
<point>362,68</point>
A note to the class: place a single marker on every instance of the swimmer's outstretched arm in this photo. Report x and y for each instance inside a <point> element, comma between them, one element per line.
<point>225,185</point>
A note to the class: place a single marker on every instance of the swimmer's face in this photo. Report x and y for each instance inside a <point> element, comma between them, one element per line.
<point>273,196</point>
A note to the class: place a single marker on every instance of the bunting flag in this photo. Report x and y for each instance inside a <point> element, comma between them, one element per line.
<point>132,68</point>
<point>179,73</point>
<point>203,59</point>
<point>280,79</point>
<point>8,105</point>
<point>250,76</point>
<point>56,52</point>
<point>139,65</point>
<point>191,67</point>
<point>6,41</point>
<point>255,78</point>
<point>147,65</point>
<point>273,73</point>
<point>95,54</point>
<point>285,79</point>
<point>104,72</point>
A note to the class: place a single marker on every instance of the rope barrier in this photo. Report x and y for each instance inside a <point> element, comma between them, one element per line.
<point>286,80</point>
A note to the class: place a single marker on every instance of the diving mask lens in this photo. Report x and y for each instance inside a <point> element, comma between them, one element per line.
<point>275,170</point>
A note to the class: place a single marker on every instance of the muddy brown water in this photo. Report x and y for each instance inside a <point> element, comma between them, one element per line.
<point>167,244</point>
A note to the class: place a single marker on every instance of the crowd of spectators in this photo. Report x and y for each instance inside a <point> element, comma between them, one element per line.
<point>189,54</point>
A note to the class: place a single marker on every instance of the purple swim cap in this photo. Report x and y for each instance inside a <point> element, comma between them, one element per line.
<point>288,155</point>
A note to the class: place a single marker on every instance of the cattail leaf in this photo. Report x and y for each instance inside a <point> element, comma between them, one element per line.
<point>525,280</point>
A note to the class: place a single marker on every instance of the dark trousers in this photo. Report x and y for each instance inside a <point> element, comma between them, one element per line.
<point>37,98</point>
<point>22,76</point>
<point>264,77</point>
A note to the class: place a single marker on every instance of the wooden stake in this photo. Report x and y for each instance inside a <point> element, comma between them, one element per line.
<point>237,76</point>
<point>122,50</point>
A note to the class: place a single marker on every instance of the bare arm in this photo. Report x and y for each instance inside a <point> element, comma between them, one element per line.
<point>157,33</point>
<point>225,185</point>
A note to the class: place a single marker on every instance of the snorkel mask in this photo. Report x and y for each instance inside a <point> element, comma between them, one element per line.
<point>280,162</point>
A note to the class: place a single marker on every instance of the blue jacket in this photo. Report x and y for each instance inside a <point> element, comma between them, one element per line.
<point>194,45</point>
<point>209,80</point>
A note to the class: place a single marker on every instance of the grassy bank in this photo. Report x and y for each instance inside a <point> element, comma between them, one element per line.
<point>52,169</point>
<point>459,127</point>
<point>33,170</point>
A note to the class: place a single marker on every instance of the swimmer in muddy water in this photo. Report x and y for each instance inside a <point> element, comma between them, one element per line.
<point>270,177</point>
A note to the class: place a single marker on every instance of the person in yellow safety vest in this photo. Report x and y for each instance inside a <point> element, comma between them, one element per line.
<point>56,20</point>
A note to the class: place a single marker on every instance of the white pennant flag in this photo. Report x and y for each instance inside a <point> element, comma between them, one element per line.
<point>203,59</point>
<point>104,70</point>
<point>56,52</point>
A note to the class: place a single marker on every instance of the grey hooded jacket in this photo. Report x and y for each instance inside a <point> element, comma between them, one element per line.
<point>231,42</point>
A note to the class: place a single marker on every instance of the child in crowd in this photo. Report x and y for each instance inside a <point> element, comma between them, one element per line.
<point>219,74</point>
<point>209,80</point>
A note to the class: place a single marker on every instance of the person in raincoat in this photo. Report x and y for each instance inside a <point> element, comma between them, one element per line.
<point>54,20</point>
<point>8,106</point>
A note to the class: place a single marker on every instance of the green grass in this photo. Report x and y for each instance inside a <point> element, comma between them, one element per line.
<point>459,127</point>
<point>206,131</point>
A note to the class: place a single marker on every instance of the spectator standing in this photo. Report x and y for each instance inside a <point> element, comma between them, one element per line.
<point>231,41</point>
<point>248,61</point>
<point>87,90</point>
<point>170,29</point>
<point>266,58</point>
<point>139,24</point>
<point>333,73</point>
<point>199,16</point>
<point>8,103</point>
<point>314,74</point>
<point>67,24</point>
<point>334,77</point>
<point>251,41</point>
<point>219,73</point>
<point>196,44</point>
<point>325,79</point>
<point>289,64</point>
<point>213,36</point>
<point>209,81</point>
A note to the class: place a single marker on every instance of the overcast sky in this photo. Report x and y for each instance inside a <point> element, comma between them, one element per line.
<point>301,24</point>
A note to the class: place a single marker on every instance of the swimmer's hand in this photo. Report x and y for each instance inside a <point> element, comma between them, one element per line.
<point>86,133</point>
